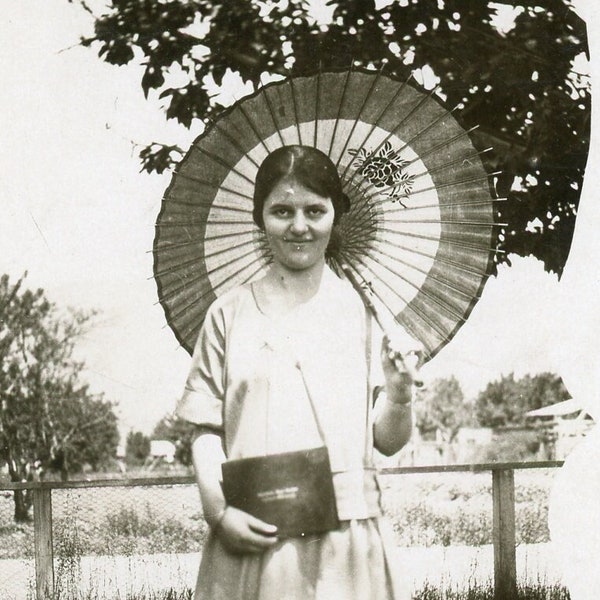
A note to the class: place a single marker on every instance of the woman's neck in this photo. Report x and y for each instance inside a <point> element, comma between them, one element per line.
<point>282,290</point>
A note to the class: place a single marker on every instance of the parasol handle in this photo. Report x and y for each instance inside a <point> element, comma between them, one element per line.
<point>400,360</point>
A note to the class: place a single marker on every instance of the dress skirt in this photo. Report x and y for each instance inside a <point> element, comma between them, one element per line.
<point>350,563</point>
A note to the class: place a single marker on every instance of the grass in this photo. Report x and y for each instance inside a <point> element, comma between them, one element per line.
<point>486,592</point>
<point>428,592</point>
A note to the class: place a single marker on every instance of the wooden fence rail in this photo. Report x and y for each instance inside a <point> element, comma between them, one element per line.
<point>503,500</point>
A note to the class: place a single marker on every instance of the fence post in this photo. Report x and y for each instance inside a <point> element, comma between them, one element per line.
<point>42,530</point>
<point>505,562</point>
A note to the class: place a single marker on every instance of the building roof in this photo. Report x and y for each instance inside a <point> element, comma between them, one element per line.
<point>567,407</point>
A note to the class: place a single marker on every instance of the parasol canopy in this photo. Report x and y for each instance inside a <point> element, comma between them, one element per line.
<point>420,233</point>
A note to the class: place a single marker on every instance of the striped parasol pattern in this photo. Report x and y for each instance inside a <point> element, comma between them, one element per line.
<point>421,231</point>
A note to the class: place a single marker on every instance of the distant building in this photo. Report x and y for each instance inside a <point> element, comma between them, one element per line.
<point>161,451</point>
<point>561,426</point>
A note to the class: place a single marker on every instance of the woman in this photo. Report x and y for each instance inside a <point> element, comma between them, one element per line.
<point>266,349</point>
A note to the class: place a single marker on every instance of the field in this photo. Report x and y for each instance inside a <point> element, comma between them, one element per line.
<point>139,529</point>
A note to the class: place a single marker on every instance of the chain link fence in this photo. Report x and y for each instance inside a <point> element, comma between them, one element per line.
<point>141,539</point>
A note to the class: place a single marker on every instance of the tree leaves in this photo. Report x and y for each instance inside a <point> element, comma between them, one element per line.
<point>158,158</point>
<point>48,418</point>
<point>505,401</point>
<point>516,84</point>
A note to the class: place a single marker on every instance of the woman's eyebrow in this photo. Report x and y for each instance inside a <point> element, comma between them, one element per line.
<point>281,204</point>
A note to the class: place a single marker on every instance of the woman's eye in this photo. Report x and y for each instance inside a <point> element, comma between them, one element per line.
<point>316,211</point>
<point>281,212</point>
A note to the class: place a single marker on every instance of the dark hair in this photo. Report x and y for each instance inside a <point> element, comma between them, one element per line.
<point>309,167</point>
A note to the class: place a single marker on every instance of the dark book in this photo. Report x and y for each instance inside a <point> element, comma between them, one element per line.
<point>292,490</point>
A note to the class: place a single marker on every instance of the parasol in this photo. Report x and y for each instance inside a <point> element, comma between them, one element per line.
<point>420,232</point>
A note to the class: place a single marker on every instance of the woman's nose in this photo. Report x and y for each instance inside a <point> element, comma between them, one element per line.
<point>299,225</point>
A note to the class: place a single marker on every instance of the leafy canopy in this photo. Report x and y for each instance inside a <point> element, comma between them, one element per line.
<point>178,431</point>
<point>49,420</point>
<point>520,86</point>
<point>440,409</point>
<point>504,402</point>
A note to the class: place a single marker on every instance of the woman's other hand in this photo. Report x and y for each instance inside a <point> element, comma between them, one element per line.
<point>241,533</point>
<point>396,356</point>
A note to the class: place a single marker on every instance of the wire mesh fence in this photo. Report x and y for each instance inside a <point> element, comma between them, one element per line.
<point>141,539</point>
<point>121,541</point>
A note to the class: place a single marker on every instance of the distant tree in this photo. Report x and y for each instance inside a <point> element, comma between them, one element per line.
<point>86,429</point>
<point>441,407</point>
<point>48,418</point>
<point>505,401</point>
<point>137,448</point>
<point>521,87</point>
<point>178,431</point>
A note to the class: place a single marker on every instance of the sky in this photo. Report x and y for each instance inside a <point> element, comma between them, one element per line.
<point>78,216</point>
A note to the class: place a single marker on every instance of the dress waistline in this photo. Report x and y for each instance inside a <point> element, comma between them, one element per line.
<point>357,494</point>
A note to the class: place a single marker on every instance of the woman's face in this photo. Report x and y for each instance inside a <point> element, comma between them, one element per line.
<point>298,224</point>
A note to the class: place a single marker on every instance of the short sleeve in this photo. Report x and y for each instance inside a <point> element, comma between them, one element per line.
<point>202,399</point>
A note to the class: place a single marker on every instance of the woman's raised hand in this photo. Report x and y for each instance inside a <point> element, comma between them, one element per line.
<point>241,533</point>
<point>401,357</point>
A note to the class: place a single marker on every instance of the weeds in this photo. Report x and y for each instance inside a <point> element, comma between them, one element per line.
<point>486,592</point>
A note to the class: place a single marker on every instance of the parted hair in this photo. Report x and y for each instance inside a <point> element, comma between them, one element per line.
<point>308,166</point>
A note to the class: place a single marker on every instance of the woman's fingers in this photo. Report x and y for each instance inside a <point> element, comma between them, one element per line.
<point>397,366</point>
<point>242,532</point>
<point>261,527</point>
<point>399,342</point>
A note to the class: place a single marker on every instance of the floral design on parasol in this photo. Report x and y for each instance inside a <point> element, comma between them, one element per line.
<point>420,234</point>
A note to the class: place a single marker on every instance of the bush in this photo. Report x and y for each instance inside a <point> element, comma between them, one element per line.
<point>456,509</point>
<point>511,446</point>
<point>127,530</point>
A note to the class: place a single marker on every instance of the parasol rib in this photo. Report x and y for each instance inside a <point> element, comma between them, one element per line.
<point>317,102</point>
<point>339,110</point>
<point>213,185</point>
<point>243,282</point>
<point>253,127</point>
<point>420,157</point>
<point>194,204</point>
<point>437,169</point>
<point>433,298</point>
<point>272,114</point>
<point>394,209</point>
<point>209,290</point>
<point>194,261</point>
<point>367,285</point>
<point>443,144</point>
<point>221,284</point>
<point>402,121</point>
<point>406,144</point>
<point>426,273</point>
<point>448,222</point>
<point>432,257</point>
<point>235,142</point>
<point>375,123</point>
<point>179,245</point>
<point>445,184</point>
<point>201,223</point>
<point>360,111</point>
<point>295,103</point>
<point>358,200</point>
<point>407,304</point>
<point>224,163</point>
<point>430,238</point>
<point>438,300</point>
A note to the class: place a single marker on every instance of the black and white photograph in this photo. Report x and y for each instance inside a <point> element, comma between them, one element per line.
<point>298,300</point>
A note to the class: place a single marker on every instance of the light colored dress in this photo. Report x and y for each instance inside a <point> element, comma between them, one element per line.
<point>249,379</point>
